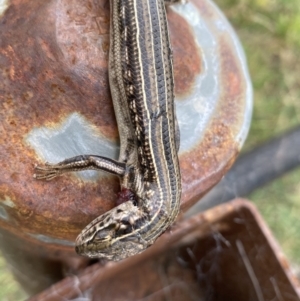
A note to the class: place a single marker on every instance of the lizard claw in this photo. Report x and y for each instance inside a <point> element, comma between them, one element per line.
<point>46,172</point>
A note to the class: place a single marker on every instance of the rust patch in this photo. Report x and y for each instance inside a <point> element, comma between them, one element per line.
<point>14,240</point>
<point>211,158</point>
<point>186,55</point>
<point>41,82</point>
<point>55,81</point>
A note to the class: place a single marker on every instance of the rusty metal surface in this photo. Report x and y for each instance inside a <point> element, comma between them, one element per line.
<point>225,253</point>
<point>55,103</point>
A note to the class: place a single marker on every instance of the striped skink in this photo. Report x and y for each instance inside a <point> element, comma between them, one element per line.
<point>142,88</point>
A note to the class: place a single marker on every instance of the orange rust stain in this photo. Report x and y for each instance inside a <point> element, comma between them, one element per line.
<point>210,159</point>
<point>42,91</point>
<point>38,87</point>
<point>16,239</point>
<point>234,84</point>
<point>43,87</point>
<point>186,55</point>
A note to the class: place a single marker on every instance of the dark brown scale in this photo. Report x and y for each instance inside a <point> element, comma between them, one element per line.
<point>130,62</point>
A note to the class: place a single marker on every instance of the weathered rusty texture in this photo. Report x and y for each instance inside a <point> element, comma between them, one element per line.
<point>186,55</point>
<point>48,72</point>
<point>225,253</point>
<point>55,103</point>
<point>229,112</point>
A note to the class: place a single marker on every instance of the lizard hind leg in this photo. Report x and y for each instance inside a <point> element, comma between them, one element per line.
<point>79,163</point>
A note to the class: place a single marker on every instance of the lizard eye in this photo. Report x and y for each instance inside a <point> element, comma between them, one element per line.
<point>102,235</point>
<point>105,234</point>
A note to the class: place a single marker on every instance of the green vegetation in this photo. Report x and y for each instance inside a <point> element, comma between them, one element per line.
<point>9,289</point>
<point>269,31</point>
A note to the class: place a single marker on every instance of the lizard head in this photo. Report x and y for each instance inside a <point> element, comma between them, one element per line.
<point>113,235</point>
